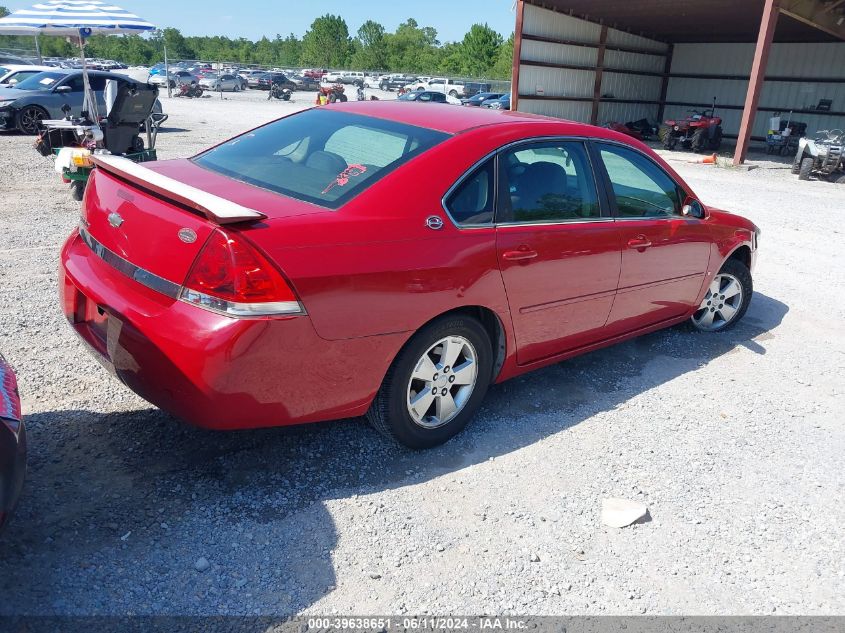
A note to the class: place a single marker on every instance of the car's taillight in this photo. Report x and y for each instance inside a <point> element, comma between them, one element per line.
<point>231,277</point>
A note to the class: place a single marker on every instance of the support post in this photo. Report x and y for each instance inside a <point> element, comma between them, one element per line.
<point>664,87</point>
<point>771,9</point>
<point>594,115</point>
<point>517,54</point>
<point>38,50</point>
<point>167,72</point>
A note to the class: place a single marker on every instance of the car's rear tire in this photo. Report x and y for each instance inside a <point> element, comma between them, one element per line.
<point>29,119</point>
<point>424,400</point>
<point>727,298</point>
<point>796,164</point>
<point>806,168</point>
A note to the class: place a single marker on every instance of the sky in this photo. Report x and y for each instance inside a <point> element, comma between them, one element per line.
<point>253,19</point>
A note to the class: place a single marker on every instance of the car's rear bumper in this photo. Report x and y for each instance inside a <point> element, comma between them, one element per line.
<point>212,370</point>
<point>12,466</point>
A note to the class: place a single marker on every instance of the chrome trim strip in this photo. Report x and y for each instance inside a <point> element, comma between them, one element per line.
<point>143,277</point>
<point>600,220</point>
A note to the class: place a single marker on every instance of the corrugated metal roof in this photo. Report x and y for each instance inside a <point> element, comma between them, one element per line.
<point>687,20</point>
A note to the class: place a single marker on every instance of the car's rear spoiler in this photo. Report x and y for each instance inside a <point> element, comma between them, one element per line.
<point>213,207</point>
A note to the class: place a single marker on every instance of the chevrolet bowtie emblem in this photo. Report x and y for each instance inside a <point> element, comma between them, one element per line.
<point>115,220</point>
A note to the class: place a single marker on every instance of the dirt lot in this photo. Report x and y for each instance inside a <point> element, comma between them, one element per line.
<point>733,441</point>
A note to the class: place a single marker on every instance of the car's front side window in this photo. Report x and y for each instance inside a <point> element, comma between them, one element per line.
<point>640,187</point>
<point>548,182</point>
<point>76,84</point>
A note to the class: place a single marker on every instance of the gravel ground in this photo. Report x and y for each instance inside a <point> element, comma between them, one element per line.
<point>732,440</point>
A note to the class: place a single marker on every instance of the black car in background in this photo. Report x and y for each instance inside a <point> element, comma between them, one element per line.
<point>305,83</point>
<point>424,96</point>
<point>502,103</point>
<point>12,443</point>
<point>263,82</point>
<point>394,82</point>
<point>481,97</point>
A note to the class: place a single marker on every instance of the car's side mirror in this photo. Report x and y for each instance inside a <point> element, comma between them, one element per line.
<point>694,209</point>
<point>63,89</point>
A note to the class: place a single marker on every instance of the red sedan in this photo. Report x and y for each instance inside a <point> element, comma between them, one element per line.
<point>387,260</point>
<point>12,443</point>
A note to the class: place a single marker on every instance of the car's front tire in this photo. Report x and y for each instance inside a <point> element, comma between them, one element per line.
<point>29,119</point>
<point>727,298</point>
<point>436,384</point>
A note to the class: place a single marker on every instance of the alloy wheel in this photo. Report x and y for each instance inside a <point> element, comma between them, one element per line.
<point>721,304</point>
<point>442,382</point>
<point>30,119</point>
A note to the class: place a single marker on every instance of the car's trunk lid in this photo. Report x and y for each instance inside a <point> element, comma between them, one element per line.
<point>157,216</point>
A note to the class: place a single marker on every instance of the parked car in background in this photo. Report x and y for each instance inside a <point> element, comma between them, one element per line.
<point>305,83</point>
<point>42,96</point>
<point>395,82</point>
<point>502,103</point>
<point>441,84</point>
<point>316,73</point>
<point>223,83</point>
<point>253,79</point>
<point>263,82</point>
<point>12,59</point>
<point>533,240</point>
<point>481,97</point>
<point>373,81</point>
<point>429,96</point>
<point>472,88</point>
<point>247,74</point>
<point>176,77</point>
<point>423,96</point>
<point>12,443</point>
<point>333,76</point>
<point>353,78</point>
<point>11,74</point>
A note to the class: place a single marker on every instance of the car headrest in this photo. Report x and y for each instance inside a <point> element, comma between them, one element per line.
<point>550,176</point>
<point>326,161</point>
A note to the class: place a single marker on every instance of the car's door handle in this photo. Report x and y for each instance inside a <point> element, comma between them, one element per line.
<point>521,254</point>
<point>641,242</point>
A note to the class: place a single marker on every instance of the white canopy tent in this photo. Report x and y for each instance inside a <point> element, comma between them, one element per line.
<point>77,20</point>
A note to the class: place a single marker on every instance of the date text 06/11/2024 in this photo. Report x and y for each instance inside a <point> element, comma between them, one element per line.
<point>429,623</point>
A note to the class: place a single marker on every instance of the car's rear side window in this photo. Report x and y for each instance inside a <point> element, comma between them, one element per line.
<point>472,203</point>
<point>320,155</point>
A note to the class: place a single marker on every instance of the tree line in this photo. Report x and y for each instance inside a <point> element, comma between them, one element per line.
<point>328,43</point>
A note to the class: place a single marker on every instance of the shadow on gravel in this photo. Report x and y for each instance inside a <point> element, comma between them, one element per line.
<point>119,507</point>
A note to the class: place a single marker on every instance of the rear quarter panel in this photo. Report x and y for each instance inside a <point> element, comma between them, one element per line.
<point>373,266</point>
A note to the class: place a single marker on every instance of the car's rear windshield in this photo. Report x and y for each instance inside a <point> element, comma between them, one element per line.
<point>319,155</point>
<point>41,81</point>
